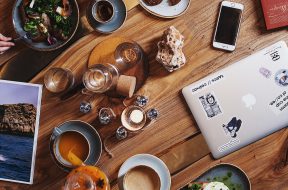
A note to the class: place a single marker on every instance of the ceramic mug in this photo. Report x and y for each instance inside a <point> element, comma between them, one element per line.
<point>103,11</point>
<point>88,133</point>
<point>57,134</point>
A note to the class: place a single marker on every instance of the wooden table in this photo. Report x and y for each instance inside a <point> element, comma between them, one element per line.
<point>175,136</point>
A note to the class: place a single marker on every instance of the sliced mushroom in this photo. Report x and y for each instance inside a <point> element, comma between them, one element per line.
<point>34,15</point>
<point>46,21</point>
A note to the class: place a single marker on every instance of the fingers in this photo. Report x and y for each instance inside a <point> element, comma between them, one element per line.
<point>2,49</point>
<point>4,38</point>
<point>6,44</point>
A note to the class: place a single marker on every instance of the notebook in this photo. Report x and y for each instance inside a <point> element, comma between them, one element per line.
<point>243,102</point>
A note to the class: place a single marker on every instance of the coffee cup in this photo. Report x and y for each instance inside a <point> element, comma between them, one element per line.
<point>77,137</point>
<point>141,178</point>
<point>103,11</point>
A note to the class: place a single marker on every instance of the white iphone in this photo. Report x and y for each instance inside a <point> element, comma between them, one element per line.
<point>228,25</point>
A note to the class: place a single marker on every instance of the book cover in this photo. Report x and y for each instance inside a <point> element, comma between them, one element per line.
<point>275,13</point>
<point>19,122</point>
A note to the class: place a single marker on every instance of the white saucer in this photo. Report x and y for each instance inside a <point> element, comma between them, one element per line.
<point>165,10</point>
<point>150,161</point>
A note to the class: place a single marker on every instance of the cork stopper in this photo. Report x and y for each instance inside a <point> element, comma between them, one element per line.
<point>126,85</point>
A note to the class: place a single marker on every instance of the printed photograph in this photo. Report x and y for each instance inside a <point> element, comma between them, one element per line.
<point>19,120</point>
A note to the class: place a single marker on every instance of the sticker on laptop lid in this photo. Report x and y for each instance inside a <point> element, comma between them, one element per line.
<point>210,105</point>
<point>265,72</point>
<point>231,129</point>
<point>280,103</point>
<point>208,82</point>
<point>232,142</point>
<point>273,53</point>
<point>281,77</point>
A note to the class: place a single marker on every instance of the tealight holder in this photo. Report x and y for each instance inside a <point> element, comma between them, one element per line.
<point>134,119</point>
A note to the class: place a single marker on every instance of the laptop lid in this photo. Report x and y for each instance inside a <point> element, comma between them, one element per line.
<point>243,102</point>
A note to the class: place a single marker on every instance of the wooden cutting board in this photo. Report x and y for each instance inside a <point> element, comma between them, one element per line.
<point>104,53</point>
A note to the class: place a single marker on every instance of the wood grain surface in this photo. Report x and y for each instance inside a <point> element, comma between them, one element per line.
<point>174,136</point>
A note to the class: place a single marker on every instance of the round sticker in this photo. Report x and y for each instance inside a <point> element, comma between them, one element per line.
<point>281,77</point>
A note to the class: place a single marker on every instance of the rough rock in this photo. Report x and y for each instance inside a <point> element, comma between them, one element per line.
<point>170,53</point>
<point>17,119</point>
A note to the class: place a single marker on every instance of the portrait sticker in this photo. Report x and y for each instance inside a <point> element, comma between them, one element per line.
<point>281,77</point>
<point>210,105</point>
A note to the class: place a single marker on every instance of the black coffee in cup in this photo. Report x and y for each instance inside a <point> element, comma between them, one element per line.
<point>103,11</point>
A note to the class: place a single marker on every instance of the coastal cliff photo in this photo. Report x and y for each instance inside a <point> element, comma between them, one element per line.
<point>19,120</point>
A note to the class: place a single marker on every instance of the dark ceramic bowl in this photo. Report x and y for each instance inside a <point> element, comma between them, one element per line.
<point>43,46</point>
<point>230,175</point>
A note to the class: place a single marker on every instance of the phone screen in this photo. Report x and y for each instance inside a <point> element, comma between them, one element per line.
<point>228,25</point>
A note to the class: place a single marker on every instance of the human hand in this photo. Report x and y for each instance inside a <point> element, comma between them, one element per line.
<point>5,44</point>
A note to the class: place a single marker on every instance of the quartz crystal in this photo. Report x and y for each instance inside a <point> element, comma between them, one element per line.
<point>85,107</point>
<point>121,133</point>
<point>142,101</point>
<point>152,114</point>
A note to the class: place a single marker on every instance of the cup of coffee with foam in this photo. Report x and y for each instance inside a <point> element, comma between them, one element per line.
<point>103,11</point>
<point>141,178</point>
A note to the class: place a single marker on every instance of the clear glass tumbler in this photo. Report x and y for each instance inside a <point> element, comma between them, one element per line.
<point>127,55</point>
<point>58,80</point>
<point>101,78</point>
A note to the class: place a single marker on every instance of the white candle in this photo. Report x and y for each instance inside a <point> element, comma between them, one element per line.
<point>136,116</point>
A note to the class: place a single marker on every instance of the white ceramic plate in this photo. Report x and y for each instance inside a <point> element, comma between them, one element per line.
<point>150,161</point>
<point>165,10</point>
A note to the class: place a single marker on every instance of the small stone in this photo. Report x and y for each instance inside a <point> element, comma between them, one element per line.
<point>106,115</point>
<point>85,107</point>
<point>121,133</point>
<point>152,114</point>
<point>170,53</point>
<point>142,101</point>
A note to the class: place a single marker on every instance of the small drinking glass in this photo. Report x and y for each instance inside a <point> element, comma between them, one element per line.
<point>58,80</point>
<point>100,78</point>
<point>127,55</point>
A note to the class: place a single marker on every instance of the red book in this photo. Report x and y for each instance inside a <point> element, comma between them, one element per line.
<point>275,13</point>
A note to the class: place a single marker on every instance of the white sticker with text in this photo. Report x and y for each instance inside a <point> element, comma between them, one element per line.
<point>280,103</point>
<point>207,83</point>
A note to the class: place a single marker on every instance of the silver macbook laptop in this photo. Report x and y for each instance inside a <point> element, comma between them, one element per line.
<point>243,102</point>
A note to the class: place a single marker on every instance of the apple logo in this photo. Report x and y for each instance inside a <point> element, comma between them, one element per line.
<point>249,101</point>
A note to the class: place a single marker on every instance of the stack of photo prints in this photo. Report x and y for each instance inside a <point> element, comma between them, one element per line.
<point>19,122</point>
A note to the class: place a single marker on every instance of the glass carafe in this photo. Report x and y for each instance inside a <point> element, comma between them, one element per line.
<point>87,178</point>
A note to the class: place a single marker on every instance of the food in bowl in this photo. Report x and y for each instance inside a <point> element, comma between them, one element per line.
<point>46,20</point>
<point>207,186</point>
